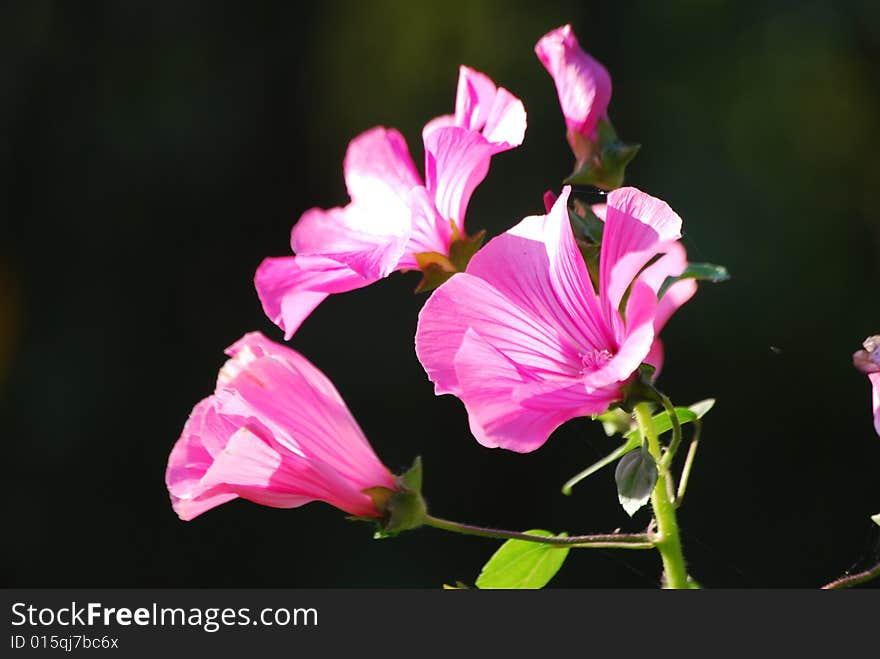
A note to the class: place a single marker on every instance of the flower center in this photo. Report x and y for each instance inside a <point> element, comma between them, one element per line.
<point>593,360</point>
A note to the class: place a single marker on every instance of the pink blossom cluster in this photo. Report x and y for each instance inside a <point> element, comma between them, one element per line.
<point>524,336</point>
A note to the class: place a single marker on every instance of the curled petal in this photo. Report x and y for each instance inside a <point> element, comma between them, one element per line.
<point>482,107</point>
<point>192,455</point>
<point>671,264</point>
<point>290,287</point>
<point>637,228</point>
<point>583,85</point>
<point>379,173</point>
<point>456,162</point>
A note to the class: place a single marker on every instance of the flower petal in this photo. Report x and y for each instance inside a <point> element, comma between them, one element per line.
<point>352,236</point>
<point>583,85</point>
<point>539,267</point>
<point>509,409</point>
<point>430,231</point>
<point>301,409</point>
<point>456,162</point>
<point>253,469</point>
<point>290,287</point>
<point>636,342</point>
<point>671,264</point>
<point>379,173</point>
<point>637,228</point>
<point>474,98</point>
<point>482,107</point>
<point>528,294</point>
<point>192,455</point>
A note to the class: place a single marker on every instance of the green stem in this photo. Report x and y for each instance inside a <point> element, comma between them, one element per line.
<point>853,579</point>
<point>676,428</point>
<point>688,462</point>
<point>598,541</point>
<point>667,539</point>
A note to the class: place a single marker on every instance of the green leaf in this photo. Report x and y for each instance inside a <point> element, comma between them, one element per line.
<point>876,519</point>
<point>458,586</point>
<point>523,564</point>
<point>619,452</point>
<point>701,408</point>
<point>699,271</point>
<point>663,423</point>
<point>636,475</point>
<point>412,477</point>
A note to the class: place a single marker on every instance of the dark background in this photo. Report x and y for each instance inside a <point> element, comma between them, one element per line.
<point>151,154</point>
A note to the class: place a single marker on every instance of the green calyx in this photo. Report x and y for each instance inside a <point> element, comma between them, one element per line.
<point>437,268</point>
<point>403,508</point>
<point>601,162</point>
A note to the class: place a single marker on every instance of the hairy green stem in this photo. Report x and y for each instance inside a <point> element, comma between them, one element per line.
<point>597,541</point>
<point>667,540</point>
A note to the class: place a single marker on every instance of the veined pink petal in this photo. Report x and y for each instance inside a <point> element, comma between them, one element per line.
<point>379,173</point>
<point>352,236</point>
<point>255,470</point>
<point>456,162</point>
<point>473,99</point>
<point>637,228</point>
<point>482,107</point>
<point>431,232</point>
<point>583,85</point>
<point>290,287</point>
<point>875,398</point>
<point>275,432</point>
<point>469,302</point>
<point>438,122</point>
<point>635,342</point>
<point>190,458</point>
<point>671,264</point>
<point>538,266</point>
<point>509,409</point>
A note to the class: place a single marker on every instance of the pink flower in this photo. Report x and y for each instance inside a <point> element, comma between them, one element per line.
<point>868,362</point>
<point>583,85</point>
<point>523,339</point>
<point>393,215</point>
<point>275,432</point>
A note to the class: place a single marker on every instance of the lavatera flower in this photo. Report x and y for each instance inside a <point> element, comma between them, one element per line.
<point>276,432</point>
<point>868,362</point>
<point>395,220</point>
<point>525,340</point>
